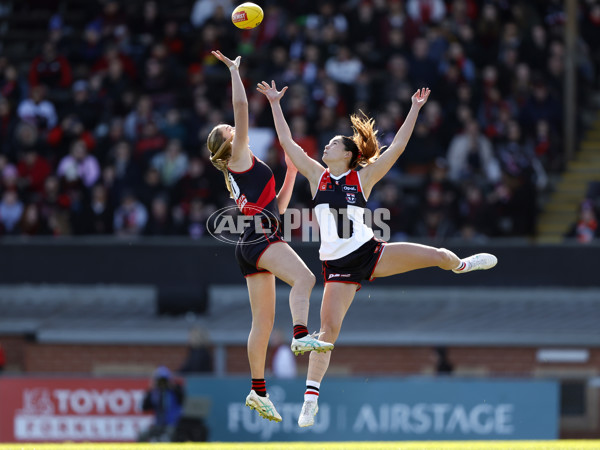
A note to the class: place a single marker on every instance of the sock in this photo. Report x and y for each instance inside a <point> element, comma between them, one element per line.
<point>259,386</point>
<point>312,391</point>
<point>300,331</point>
<point>462,266</point>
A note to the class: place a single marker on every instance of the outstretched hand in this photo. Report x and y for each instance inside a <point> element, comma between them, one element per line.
<point>420,97</point>
<point>271,92</point>
<point>228,62</point>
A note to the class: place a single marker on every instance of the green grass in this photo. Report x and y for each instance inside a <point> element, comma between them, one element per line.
<point>436,445</point>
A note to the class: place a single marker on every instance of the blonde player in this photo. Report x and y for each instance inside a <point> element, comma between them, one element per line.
<point>261,252</point>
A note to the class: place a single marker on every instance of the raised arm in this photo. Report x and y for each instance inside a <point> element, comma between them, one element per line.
<point>241,157</point>
<point>285,193</point>
<point>374,172</point>
<point>307,166</point>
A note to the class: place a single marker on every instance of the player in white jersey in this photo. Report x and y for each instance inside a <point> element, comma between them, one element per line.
<point>356,256</point>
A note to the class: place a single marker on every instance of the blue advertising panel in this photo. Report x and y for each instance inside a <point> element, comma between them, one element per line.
<point>378,409</point>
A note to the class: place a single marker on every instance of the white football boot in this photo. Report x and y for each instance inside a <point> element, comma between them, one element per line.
<point>263,406</point>
<point>310,408</point>
<point>480,261</point>
<point>310,343</point>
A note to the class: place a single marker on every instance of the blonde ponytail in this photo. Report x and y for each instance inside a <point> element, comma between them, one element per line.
<point>365,140</point>
<point>220,149</point>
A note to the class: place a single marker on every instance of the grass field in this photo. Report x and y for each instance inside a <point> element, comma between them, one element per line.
<point>437,445</point>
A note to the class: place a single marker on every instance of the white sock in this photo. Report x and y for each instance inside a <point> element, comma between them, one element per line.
<point>312,391</point>
<point>463,265</point>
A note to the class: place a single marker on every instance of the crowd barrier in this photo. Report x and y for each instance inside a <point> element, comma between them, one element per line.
<point>36,409</point>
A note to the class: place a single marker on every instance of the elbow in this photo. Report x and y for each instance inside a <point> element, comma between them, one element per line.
<point>240,103</point>
<point>281,207</point>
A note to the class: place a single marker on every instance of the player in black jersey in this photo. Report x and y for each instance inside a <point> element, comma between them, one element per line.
<point>349,260</point>
<point>261,251</point>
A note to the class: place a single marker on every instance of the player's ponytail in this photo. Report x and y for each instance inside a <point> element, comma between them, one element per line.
<point>220,152</point>
<point>363,144</point>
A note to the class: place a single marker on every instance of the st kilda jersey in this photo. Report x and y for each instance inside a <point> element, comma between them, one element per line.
<point>254,190</point>
<point>339,206</point>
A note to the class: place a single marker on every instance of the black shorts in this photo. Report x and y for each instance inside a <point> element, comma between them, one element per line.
<point>249,249</point>
<point>356,266</point>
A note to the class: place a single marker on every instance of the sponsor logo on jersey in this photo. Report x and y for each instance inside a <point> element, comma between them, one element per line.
<point>351,198</point>
<point>326,187</point>
<point>241,201</point>
<point>349,188</point>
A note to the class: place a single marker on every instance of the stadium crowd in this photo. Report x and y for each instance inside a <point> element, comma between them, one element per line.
<point>105,131</point>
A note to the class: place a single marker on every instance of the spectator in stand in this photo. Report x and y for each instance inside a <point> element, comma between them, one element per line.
<point>435,220</point>
<point>82,105</point>
<point>79,166</point>
<point>540,106</point>
<point>171,163</point>
<point>37,110</point>
<point>585,229</point>
<point>421,151</point>
<point>54,207</point>
<point>31,224</point>
<point>203,10</point>
<point>517,157</point>
<point>160,222</point>
<point>470,156</point>
<point>127,173</point>
<point>345,69</point>
<point>50,69</point>
<point>8,174</point>
<point>422,69</point>
<point>547,146</point>
<point>98,213</point>
<point>173,126</point>
<point>399,222</point>
<point>90,48</point>
<point>8,125</point>
<point>151,25</point>
<point>33,171</point>
<point>70,129</point>
<point>112,134</point>
<point>197,183</point>
<point>11,210</point>
<point>112,54</point>
<point>426,11</point>
<point>143,114</point>
<point>195,224</point>
<point>474,213</point>
<point>116,86</point>
<point>10,87</point>
<point>130,217</point>
<point>149,144</point>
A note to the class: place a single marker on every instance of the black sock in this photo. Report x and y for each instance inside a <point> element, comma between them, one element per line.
<point>259,386</point>
<point>300,331</point>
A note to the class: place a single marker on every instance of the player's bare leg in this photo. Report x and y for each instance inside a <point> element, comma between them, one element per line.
<point>261,288</point>
<point>403,257</point>
<point>285,264</point>
<point>337,298</point>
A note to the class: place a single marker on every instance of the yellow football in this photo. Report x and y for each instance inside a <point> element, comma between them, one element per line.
<point>247,15</point>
